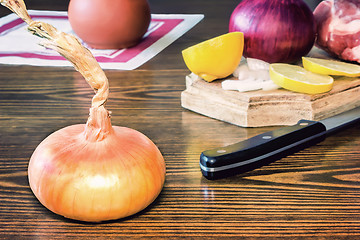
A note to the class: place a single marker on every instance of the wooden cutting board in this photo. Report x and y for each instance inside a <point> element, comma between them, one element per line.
<point>268,108</point>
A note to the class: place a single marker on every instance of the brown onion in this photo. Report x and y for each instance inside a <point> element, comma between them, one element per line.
<point>108,24</point>
<point>94,171</point>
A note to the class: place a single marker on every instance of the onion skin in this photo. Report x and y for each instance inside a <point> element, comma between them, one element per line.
<point>82,177</point>
<point>95,171</point>
<point>274,30</point>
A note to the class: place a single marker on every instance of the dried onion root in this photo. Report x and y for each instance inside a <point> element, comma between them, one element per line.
<point>94,171</point>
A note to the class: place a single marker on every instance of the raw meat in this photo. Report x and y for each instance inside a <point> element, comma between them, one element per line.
<point>338,28</point>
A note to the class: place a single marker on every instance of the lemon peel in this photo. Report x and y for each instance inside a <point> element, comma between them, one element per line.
<point>215,58</point>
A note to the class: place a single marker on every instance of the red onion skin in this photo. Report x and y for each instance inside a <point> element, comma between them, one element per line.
<point>275,30</point>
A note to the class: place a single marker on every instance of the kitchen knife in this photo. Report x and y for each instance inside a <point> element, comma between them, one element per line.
<point>270,146</point>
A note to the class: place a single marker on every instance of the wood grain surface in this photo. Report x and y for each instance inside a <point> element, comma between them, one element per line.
<point>260,108</point>
<point>312,194</point>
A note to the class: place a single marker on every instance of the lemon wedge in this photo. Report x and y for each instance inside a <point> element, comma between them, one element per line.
<point>330,67</point>
<point>298,79</point>
<point>215,58</point>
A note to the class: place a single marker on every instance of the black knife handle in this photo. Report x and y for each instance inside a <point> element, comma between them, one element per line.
<point>260,150</point>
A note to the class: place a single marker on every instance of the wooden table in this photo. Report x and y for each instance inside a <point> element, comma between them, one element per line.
<point>314,193</point>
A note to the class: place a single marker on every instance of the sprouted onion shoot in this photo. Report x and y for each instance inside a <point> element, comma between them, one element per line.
<point>95,171</point>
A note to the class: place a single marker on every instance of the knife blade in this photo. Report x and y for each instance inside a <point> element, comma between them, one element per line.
<point>270,146</point>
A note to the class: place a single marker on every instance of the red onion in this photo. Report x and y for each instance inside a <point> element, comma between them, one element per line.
<point>274,30</point>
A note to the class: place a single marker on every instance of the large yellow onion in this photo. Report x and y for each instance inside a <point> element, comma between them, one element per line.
<point>111,173</point>
<point>95,171</point>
